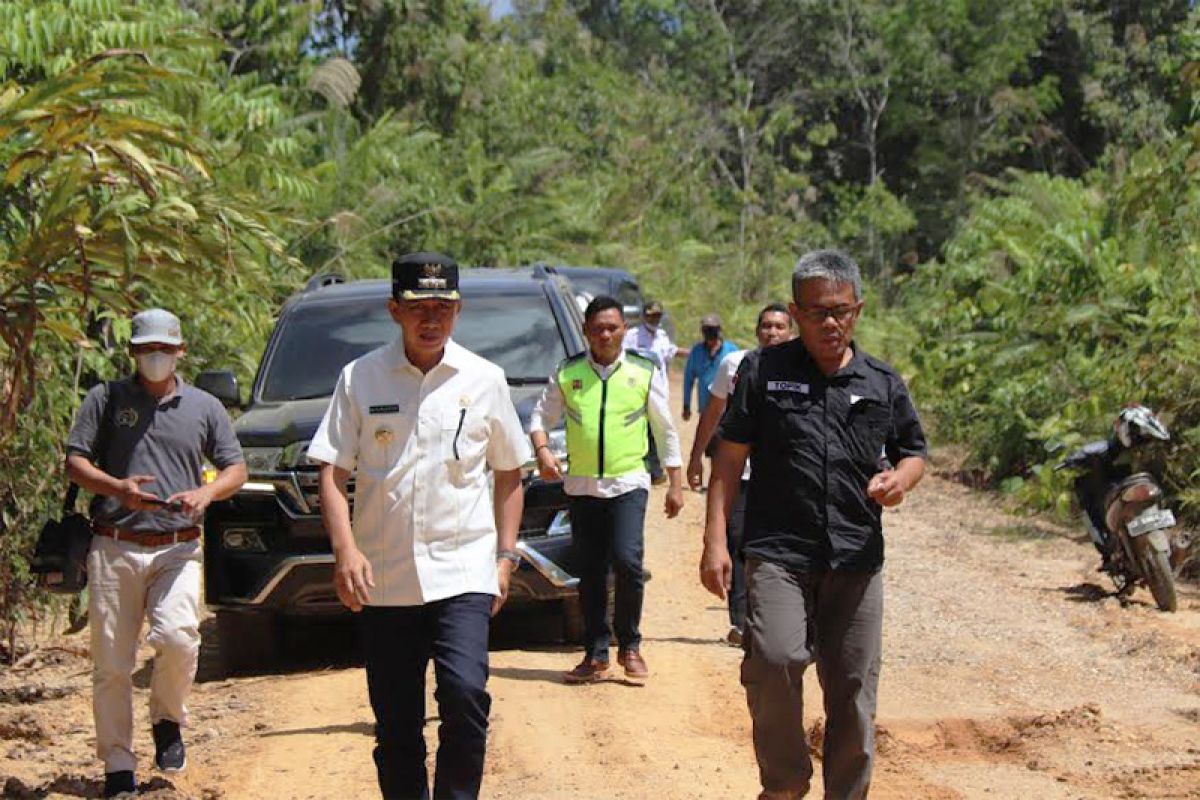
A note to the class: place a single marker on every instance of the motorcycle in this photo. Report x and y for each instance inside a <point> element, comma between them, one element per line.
<point>1125,512</point>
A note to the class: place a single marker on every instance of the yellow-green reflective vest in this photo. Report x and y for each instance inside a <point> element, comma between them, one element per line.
<point>606,419</point>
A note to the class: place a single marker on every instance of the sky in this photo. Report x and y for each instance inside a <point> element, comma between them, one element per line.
<point>500,8</point>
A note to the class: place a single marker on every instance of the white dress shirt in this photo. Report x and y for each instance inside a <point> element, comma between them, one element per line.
<point>655,344</point>
<point>548,412</point>
<point>722,387</point>
<point>421,446</point>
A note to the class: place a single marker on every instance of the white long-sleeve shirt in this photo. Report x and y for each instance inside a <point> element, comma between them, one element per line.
<point>653,343</point>
<point>548,412</point>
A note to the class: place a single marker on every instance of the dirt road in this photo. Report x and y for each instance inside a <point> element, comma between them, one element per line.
<point>1007,673</point>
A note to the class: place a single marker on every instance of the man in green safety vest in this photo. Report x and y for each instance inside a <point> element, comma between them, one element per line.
<point>610,397</point>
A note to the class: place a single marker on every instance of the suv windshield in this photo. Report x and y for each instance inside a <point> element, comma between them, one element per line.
<point>517,332</point>
<point>593,284</point>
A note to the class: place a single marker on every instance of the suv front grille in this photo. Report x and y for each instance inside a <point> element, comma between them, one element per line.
<point>307,481</point>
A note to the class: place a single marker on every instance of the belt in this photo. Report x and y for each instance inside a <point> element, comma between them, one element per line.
<point>147,538</point>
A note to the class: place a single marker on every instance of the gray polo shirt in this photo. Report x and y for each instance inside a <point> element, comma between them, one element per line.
<point>168,440</point>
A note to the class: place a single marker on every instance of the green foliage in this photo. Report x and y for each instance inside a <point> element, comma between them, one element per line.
<point>1059,302</point>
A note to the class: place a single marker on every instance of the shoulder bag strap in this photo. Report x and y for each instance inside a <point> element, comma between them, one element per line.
<point>101,442</point>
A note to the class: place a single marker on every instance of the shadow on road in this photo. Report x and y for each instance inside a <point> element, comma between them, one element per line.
<point>702,642</point>
<point>69,785</point>
<point>1086,593</point>
<point>320,644</point>
<point>365,728</point>
<point>529,674</point>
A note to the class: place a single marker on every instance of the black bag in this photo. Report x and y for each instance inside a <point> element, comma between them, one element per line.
<point>60,556</point>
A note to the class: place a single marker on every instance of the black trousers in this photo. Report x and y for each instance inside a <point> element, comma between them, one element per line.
<point>608,532</point>
<point>398,642</point>
<point>734,533</point>
<point>653,464</point>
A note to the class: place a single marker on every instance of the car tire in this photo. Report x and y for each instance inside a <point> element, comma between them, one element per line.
<point>572,620</point>
<point>238,642</point>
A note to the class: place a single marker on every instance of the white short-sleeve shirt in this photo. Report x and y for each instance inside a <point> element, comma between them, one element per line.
<point>722,386</point>
<point>420,446</point>
<point>654,344</point>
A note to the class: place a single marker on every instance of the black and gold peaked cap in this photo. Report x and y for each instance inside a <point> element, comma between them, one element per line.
<point>424,276</point>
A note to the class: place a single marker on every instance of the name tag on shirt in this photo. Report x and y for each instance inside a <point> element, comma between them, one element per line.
<point>392,409</point>
<point>787,386</point>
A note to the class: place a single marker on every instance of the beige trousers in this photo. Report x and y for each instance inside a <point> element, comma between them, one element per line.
<point>126,584</point>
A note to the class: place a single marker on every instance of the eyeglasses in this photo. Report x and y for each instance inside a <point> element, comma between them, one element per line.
<point>654,317</point>
<point>840,314</point>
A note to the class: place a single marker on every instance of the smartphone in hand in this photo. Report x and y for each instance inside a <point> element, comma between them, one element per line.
<point>175,507</point>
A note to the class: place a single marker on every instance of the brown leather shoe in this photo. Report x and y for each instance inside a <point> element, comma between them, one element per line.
<point>634,664</point>
<point>781,794</point>
<point>589,670</point>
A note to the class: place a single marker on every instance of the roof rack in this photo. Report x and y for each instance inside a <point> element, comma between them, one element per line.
<point>542,270</point>
<point>323,279</point>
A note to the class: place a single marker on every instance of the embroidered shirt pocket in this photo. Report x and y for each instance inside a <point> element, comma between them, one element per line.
<point>463,440</point>
<point>788,400</point>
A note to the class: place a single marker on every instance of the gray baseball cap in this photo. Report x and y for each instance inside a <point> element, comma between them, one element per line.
<point>156,325</point>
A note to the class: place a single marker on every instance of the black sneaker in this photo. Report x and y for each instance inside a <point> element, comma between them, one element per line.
<point>169,752</point>
<point>119,783</point>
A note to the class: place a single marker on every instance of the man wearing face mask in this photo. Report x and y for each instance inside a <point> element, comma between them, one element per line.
<point>139,445</point>
<point>702,363</point>
<point>649,338</point>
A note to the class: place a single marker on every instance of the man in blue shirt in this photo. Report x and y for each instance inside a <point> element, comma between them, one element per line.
<point>703,361</point>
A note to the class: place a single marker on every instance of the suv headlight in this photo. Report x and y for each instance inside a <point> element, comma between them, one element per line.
<point>262,459</point>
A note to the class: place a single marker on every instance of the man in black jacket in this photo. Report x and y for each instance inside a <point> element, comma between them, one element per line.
<point>826,423</point>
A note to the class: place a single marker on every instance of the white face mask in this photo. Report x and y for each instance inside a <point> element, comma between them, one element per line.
<point>156,366</point>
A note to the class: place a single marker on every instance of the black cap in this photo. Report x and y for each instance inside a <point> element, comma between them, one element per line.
<point>421,276</point>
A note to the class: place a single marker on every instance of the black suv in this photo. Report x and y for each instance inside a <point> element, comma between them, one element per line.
<point>590,282</point>
<point>266,553</point>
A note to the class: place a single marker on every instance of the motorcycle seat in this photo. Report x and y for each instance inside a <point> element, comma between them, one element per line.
<point>1113,495</point>
<point>1133,480</point>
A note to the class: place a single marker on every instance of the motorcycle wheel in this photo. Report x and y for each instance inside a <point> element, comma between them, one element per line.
<point>1156,567</point>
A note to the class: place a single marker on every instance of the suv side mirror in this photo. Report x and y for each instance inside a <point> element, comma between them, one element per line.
<point>221,384</point>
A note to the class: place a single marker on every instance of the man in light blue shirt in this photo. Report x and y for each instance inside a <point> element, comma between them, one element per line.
<point>703,361</point>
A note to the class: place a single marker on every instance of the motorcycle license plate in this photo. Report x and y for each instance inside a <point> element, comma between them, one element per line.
<point>1152,519</point>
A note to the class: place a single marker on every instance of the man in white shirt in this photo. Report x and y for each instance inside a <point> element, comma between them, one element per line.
<point>610,397</point>
<point>773,327</point>
<point>427,558</point>
<point>650,340</point>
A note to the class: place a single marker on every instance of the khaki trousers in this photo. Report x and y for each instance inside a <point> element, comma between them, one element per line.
<point>126,584</point>
<point>794,619</point>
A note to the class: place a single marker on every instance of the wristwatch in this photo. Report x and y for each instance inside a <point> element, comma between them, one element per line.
<point>509,555</point>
